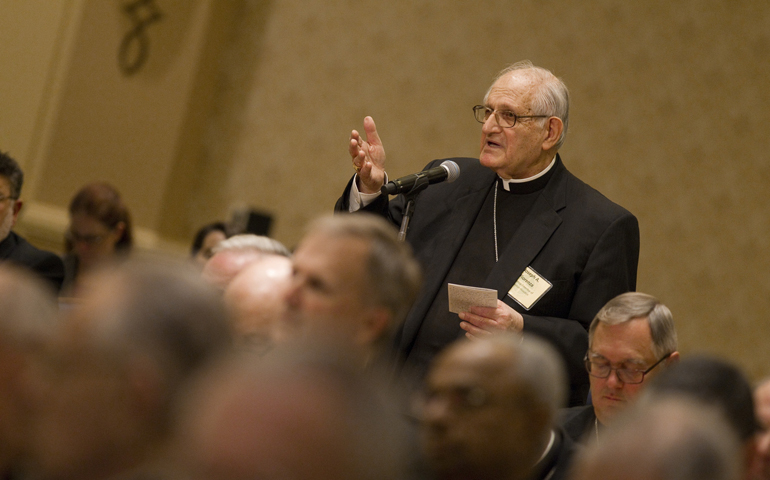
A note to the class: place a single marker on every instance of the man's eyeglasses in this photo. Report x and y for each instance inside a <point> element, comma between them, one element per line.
<point>505,118</point>
<point>4,198</point>
<point>625,375</point>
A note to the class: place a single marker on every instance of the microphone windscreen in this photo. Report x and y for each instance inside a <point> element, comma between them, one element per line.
<point>453,170</point>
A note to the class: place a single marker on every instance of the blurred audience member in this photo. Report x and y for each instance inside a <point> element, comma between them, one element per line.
<point>14,248</point>
<point>353,283</point>
<point>629,341</point>
<point>205,240</point>
<point>99,230</point>
<point>254,299</point>
<point>675,438</point>
<point>489,408</point>
<point>27,323</point>
<point>760,470</point>
<point>123,356</point>
<point>290,417</point>
<point>234,254</point>
<point>716,383</point>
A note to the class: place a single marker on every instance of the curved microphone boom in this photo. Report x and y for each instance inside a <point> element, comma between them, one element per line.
<point>448,171</point>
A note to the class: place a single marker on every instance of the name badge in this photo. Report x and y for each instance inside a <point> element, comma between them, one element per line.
<point>529,288</point>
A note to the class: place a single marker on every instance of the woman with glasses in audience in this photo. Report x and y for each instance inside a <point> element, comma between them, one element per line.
<point>99,230</point>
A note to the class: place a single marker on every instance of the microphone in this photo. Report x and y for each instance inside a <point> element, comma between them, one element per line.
<point>447,171</point>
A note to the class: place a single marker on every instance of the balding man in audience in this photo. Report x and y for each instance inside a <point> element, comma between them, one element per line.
<point>353,283</point>
<point>718,383</point>
<point>289,417</point>
<point>629,341</point>
<point>27,323</point>
<point>255,300</point>
<point>760,469</point>
<point>670,439</point>
<point>231,256</point>
<point>489,408</point>
<point>123,358</point>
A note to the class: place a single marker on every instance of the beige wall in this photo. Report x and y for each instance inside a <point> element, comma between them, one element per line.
<point>670,111</point>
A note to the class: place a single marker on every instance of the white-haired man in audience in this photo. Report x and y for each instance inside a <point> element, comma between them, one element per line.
<point>231,256</point>
<point>630,339</point>
<point>489,408</point>
<point>255,301</point>
<point>353,283</point>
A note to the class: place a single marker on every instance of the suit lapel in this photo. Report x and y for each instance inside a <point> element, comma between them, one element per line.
<point>460,217</point>
<point>532,235</point>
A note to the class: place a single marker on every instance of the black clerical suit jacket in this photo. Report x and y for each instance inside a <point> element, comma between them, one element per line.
<point>48,265</point>
<point>577,239</point>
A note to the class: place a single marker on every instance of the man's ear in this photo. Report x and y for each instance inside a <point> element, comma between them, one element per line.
<point>374,325</point>
<point>17,204</point>
<point>555,127</point>
<point>672,359</point>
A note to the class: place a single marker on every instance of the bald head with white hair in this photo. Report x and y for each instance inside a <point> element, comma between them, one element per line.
<point>254,300</point>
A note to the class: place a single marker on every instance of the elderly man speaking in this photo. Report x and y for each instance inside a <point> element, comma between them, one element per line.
<point>515,221</point>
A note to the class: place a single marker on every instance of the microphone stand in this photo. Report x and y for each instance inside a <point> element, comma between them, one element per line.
<point>420,185</point>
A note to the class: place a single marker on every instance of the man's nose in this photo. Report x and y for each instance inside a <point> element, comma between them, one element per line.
<point>491,124</point>
<point>614,381</point>
<point>433,411</point>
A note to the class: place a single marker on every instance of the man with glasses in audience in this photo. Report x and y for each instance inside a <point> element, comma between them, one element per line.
<point>14,248</point>
<point>515,221</point>
<point>630,339</point>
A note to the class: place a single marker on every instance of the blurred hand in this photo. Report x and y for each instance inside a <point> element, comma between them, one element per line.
<point>368,158</point>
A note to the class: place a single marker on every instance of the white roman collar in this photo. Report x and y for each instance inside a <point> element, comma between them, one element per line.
<point>507,182</point>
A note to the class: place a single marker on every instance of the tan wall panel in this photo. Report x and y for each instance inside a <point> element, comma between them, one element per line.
<point>124,129</point>
<point>669,118</point>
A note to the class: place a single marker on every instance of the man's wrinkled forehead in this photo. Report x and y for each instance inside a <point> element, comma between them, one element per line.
<point>513,86</point>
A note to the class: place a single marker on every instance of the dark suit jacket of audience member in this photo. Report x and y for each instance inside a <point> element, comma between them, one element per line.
<point>579,423</point>
<point>48,265</point>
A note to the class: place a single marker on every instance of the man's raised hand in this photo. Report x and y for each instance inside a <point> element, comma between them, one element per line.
<point>368,158</point>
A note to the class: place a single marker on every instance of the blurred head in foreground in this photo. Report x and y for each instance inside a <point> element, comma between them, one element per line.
<point>122,356</point>
<point>289,415</point>
<point>27,325</point>
<point>674,438</point>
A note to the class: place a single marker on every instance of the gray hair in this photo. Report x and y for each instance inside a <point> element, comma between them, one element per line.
<point>160,311</point>
<point>393,275</point>
<point>250,241</point>
<point>551,96</point>
<point>27,308</point>
<point>631,305</point>
<point>669,439</point>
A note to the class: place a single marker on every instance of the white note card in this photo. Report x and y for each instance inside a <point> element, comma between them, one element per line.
<point>529,288</point>
<point>463,297</point>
